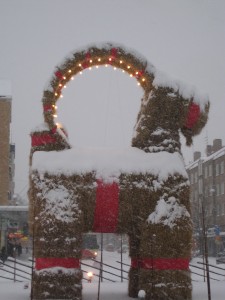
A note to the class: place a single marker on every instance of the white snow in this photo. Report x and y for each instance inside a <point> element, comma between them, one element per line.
<point>118,290</point>
<point>109,163</point>
<point>167,212</point>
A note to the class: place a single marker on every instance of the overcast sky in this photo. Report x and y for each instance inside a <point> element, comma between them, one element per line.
<point>183,38</point>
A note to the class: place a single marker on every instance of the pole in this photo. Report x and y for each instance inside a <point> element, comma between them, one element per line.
<point>121,256</point>
<point>100,279</point>
<point>206,251</point>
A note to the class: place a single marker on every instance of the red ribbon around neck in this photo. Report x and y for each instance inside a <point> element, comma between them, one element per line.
<point>106,207</point>
<point>193,115</point>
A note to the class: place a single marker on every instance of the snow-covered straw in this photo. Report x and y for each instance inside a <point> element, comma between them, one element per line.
<point>109,163</point>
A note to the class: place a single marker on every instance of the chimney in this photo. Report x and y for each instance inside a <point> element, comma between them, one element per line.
<point>217,145</point>
<point>197,155</point>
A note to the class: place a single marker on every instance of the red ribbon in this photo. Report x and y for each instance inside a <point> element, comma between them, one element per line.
<point>160,263</point>
<point>51,262</point>
<point>48,107</point>
<point>86,63</point>
<point>113,55</point>
<point>106,208</point>
<point>139,74</point>
<point>42,139</point>
<point>58,74</point>
<point>193,115</point>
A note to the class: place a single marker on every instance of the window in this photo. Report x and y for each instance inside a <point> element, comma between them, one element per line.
<point>222,167</point>
<point>206,171</point>
<point>217,189</point>
<point>200,168</point>
<point>192,178</point>
<point>206,191</point>
<point>218,209</point>
<point>196,177</point>
<point>222,209</point>
<point>217,169</point>
<point>200,186</point>
<point>210,170</point>
<point>222,188</point>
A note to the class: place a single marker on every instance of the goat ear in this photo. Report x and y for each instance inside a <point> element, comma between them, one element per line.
<point>195,121</point>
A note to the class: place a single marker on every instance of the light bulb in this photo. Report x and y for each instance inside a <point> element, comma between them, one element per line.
<point>96,67</point>
<point>72,78</point>
<point>121,61</point>
<point>90,60</point>
<point>69,71</point>
<point>131,75</point>
<point>60,84</point>
<point>55,116</point>
<point>110,59</point>
<point>128,67</point>
<point>89,68</point>
<point>99,59</point>
<point>64,77</point>
<point>114,68</point>
<point>64,86</point>
<point>79,65</point>
<point>61,96</point>
<point>143,79</point>
<point>80,73</point>
<point>56,94</point>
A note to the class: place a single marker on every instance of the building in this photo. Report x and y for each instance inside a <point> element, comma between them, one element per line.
<point>207,180</point>
<point>7,150</point>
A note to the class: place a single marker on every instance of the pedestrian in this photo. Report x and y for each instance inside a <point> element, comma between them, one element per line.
<point>3,254</point>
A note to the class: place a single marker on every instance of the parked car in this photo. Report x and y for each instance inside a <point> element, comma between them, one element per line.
<point>220,258</point>
<point>110,248</point>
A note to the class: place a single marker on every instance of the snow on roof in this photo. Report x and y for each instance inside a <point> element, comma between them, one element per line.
<point>13,208</point>
<point>108,163</point>
<point>5,88</point>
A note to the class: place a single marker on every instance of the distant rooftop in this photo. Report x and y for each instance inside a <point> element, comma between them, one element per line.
<point>5,88</point>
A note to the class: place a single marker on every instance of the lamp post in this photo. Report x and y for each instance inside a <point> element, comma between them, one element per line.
<point>205,249</point>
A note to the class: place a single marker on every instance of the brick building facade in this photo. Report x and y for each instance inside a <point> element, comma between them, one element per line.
<point>7,152</point>
<point>207,182</point>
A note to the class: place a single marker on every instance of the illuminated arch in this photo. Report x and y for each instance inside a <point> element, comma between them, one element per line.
<point>107,54</point>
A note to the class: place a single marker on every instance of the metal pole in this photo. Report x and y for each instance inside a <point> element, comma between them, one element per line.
<point>100,271</point>
<point>206,252</point>
<point>121,256</point>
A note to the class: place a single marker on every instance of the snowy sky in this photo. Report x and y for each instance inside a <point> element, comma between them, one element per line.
<point>184,38</point>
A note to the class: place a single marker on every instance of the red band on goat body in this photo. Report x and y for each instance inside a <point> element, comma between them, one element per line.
<point>50,262</point>
<point>160,263</point>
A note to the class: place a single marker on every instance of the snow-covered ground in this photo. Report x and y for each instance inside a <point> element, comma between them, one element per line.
<point>115,290</point>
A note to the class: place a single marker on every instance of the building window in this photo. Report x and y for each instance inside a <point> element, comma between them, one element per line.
<point>196,177</point>
<point>217,189</point>
<point>192,178</point>
<point>206,171</point>
<point>222,188</point>
<point>200,168</point>
<point>217,169</point>
<point>222,167</point>
<point>200,186</point>
<point>222,209</point>
<point>210,170</point>
<point>206,191</point>
<point>218,209</point>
